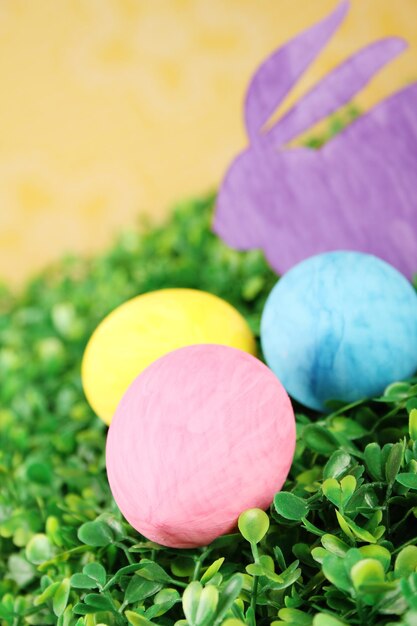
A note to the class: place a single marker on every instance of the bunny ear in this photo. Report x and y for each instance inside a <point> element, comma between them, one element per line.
<point>283,68</point>
<point>336,89</point>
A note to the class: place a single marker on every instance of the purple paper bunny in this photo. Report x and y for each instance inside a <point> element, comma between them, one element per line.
<point>358,192</point>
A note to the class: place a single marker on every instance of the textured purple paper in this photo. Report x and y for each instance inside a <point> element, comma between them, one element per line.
<point>358,192</point>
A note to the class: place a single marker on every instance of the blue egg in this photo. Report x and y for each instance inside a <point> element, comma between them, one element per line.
<point>340,325</point>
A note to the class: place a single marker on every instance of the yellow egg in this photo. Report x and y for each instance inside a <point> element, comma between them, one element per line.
<point>145,328</point>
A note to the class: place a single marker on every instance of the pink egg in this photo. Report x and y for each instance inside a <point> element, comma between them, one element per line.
<point>202,434</point>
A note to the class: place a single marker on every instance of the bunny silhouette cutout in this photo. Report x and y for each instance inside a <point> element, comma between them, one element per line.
<point>358,192</point>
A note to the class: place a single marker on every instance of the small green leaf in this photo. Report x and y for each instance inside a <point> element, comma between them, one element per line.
<point>137,620</point>
<point>407,479</point>
<point>367,572</point>
<point>377,552</point>
<point>267,562</point>
<point>409,588</point>
<point>412,424</point>
<point>334,544</point>
<point>253,525</point>
<point>166,595</point>
<point>288,577</point>
<point>393,464</point>
<point>47,594</point>
<point>307,478</point>
<point>139,589</point>
<point>20,570</point>
<point>60,599</point>
<point>319,439</point>
<point>319,554</point>
<point>354,529</point>
<point>83,609</point>
<point>398,391</point>
<point>348,486</point>
<point>337,464</point>
<point>81,581</point>
<point>39,549</point>
<point>406,562</point>
<point>312,528</point>
<point>212,570</point>
<point>152,571</point>
<point>295,616</point>
<point>256,569</point>
<point>374,521</point>
<point>228,595</point>
<point>324,619</point>
<point>163,602</point>
<point>190,601</point>
<point>290,506</point>
<point>302,552</point>
<point>216,580</point>
<point>207,605</point>
<point>373,460</point>
<point>40,473</point>
<point>250,616</point>
<point>347,427</point>
<point>99,602</point>
<point>333,492</point>
<point>334,571</point>
<point>344,525</point>
<point>252,287</point>
<point>352,557</point>
<point>97,534</point>
<point>96,572</point>
<point>182,566</point>
<point>52,530</point>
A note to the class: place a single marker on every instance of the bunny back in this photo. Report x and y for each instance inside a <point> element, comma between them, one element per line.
<point>356,193</point>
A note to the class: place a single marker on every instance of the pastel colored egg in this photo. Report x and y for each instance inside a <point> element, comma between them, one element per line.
<point>143,329</point>
<point>340,325</point>
<point>203,433</point>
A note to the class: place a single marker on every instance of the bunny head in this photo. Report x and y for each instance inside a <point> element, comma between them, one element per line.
<point>354,193</point>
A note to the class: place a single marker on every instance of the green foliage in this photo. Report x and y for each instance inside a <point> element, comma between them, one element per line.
<point>97,534</point>
<point>290,506</point>
<point>338,546</point>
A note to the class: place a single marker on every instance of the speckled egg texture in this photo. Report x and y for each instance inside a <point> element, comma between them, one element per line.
<point>340,325</point>
<point>202,434</point>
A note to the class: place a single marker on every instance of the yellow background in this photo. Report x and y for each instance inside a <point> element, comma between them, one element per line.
<point>110,108</point>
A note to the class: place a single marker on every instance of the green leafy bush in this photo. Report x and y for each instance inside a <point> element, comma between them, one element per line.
<point>339,545</point>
